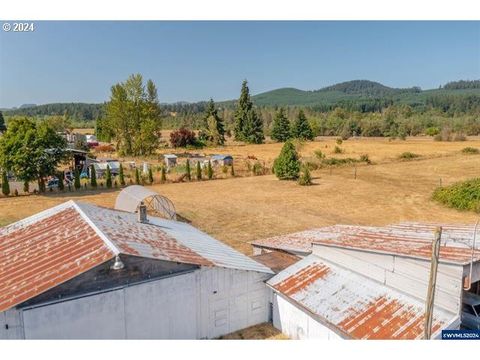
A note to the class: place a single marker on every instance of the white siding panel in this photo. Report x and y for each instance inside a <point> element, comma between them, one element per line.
<point>162,309</point>
<point>93,317</point>
<point>297,324</point>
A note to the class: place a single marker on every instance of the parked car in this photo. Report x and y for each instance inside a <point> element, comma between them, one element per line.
<point>52,184</point>
<point>471,311</point>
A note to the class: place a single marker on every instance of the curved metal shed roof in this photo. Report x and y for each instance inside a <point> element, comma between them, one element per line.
<point>130,197</point>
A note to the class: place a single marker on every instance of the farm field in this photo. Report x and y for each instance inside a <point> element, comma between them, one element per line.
<point>239,210</point>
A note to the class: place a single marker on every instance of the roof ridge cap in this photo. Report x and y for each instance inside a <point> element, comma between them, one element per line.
<point>92,224</point>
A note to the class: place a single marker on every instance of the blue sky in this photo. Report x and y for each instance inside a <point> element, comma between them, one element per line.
<point>193,61</point>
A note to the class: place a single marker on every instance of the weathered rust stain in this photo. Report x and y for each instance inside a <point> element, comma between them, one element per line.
<point>302,279</point>
<point>385,318</point>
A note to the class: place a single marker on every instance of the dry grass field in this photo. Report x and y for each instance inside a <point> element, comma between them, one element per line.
<point>263,331</point>
<point>238,210</point>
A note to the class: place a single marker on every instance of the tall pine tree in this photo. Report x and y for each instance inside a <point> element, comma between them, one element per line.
<point>248,124</point>
<point>281,126</point>
<point>213,129</point>
<point>301,128</point>
<point>2,123</point>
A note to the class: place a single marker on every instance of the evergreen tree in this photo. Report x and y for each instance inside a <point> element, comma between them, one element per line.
<point>301,128</point>
<point>281,126</point>
<point>5,184</point>
<point>76,182</point>
<point>93,177</point>
<point>188,171</point>
<point>108,177</point>
<point>287,165</point>
<point>248,124</point>
<point>137,176</point>
<point>163,177</point>
<point>243,107</point>
<point>305,177</point>
<point>253,130</point>
<point>199,171</point>
<point>209,170</point>
<point>213,129</point>
<point>150,175</point>
<point>2,123</point>
<point>122,176</point>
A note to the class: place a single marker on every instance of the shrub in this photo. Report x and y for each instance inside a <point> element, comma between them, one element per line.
<point>182,138</point>
<point>5,184</point>
<point>463,195</point>
<point>319,154</point>
<point>104,148</point>
<point>365,158</point>
<point>16,192</point>
<point>432,131</point>
<point>26,186</point>
<point>209,170</point>
<point>287,165</point>
<point>188,171</point>
<point>198,171</point>
<point>407,155</point>
<point>311,165</point>
<point>339,141</point>
<point>61,184</point>
<point>150,175</point>
<point>137,177</point>
<point>305,177</point>
<point>163,176</point>
<point>93,177</point>
<point>337,150</point>
<point>470,150</point>
<point>108,178</point>
<point>335,161</point>
<point>121,175</point>
<point>459,137</point>
<point>258,169</point>
<point>76,182</point>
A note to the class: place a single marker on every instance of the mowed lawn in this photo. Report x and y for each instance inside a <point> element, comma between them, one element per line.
<point>238,210</point>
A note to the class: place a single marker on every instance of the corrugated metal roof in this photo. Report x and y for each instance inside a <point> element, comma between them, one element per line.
<point>208,247</point>
<point>44,251</point>
<point>134,238</point>
<point>354,305</point>
<point>407,239</point>
<point>276,260</point>
<point>51,247</point>
<point>302,241</point>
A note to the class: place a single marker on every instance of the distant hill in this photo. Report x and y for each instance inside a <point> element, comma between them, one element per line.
<point>359,90</point>
<point>361,95</point>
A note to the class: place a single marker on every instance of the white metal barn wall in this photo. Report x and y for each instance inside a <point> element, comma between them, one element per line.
<point>207,303</point>
<point>297,324</point>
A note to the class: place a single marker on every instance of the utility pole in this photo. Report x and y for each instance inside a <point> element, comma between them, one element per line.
<point>429,306</point>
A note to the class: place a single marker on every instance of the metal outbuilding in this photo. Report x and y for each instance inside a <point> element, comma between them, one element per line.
<point>79,271</point>
<point>130,198</point>
<point>390,266</point>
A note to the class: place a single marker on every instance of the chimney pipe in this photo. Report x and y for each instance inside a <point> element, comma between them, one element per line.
<point>142,213</point>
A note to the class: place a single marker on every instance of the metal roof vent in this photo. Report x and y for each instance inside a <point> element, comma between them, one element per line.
<point>142,213</point>
<point>118,264</point>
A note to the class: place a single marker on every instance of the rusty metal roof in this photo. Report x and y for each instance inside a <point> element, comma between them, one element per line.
<point>353,305</point>
<point>301,242</point>
<point>45,251</point>
<point>406,239</point>
<point>276,260</point>
<point>53,246</point>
